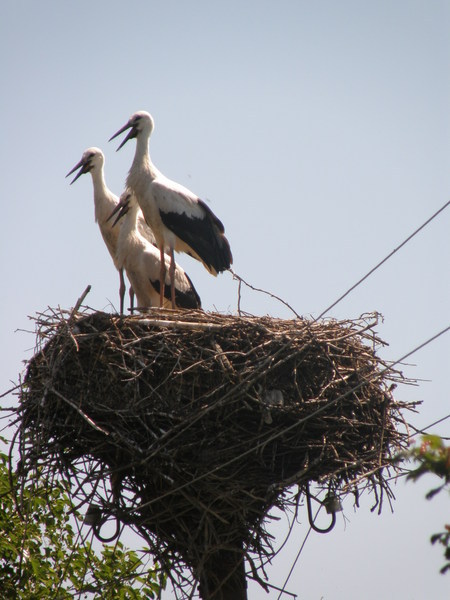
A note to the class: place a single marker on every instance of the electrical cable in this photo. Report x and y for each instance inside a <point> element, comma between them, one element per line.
<point>383,261</point>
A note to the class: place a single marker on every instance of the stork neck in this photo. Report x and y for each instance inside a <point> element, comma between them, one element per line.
<point>142,160</point>
<point>133,213</point>
<point>129,229</point>
<point>104,201</point>
<point>98,181</point>
<point>142,169</point>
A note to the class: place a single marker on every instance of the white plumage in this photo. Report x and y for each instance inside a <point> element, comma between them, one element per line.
<point>180,220</point>
<point>105,201</point>
<point>141,261</point>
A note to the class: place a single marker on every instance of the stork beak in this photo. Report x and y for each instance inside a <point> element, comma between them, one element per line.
<point>122,208</point>
<point>131,134</point>
<point>84,169</point>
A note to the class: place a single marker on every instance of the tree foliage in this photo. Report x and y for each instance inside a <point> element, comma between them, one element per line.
<point>42,556</point>
<point>433,456</point>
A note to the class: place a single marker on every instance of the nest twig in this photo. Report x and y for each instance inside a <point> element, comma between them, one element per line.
<point>189,427</point>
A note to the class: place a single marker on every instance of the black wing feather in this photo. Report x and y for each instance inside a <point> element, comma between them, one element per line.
<point>205,235</point>
<point>187,299</point>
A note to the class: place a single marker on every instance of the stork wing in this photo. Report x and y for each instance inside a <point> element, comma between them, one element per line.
<point>194,223</point>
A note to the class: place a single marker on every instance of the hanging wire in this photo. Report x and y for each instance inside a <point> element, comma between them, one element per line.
<point>312,519</point>
<point>241,280</point>
<point>424,429</point>
<point>386,258</point>
<point>291,570</point>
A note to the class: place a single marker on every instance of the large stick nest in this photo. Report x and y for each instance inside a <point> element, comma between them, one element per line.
<point>191,426</point>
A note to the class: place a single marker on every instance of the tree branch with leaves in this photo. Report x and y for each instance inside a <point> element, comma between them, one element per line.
<point>42,556</point>
<point>433,456</point>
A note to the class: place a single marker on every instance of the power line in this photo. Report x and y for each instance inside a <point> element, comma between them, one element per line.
<point>317,512</point>
<point>424,429</point>
<point>345,294</point>
<point>383,261</point>
<point>298,556</point>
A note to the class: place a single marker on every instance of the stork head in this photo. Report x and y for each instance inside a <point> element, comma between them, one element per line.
<point>93,158</point>
<point>123,206</point>
<point>140,123</point>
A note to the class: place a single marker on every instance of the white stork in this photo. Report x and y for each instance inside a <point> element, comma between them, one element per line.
<point>141,261</point>
<point>180,221</point>
<point>105,201</point>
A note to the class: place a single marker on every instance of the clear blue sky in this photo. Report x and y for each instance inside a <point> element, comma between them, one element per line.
<point>317,131</point>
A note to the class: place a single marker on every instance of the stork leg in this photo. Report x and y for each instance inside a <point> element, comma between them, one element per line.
<point>121,290</point>
<point>162,276</point>
<point>131,292</point>
<point>172,277</point>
